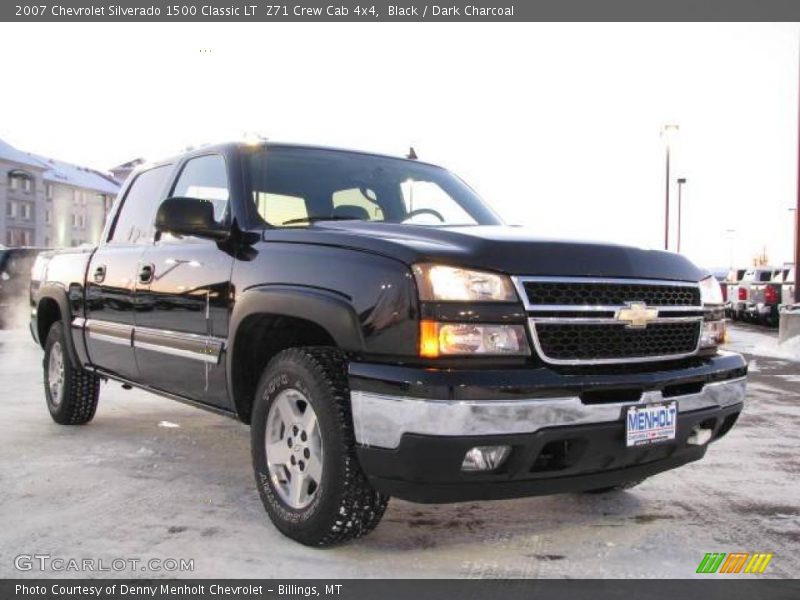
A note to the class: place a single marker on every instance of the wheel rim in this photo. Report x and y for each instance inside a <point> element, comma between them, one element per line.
<point>55,374</point>
<point>293,445</point>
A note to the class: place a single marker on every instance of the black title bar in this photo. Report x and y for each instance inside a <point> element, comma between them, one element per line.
<point>399,11</point>
<point>735,588</point>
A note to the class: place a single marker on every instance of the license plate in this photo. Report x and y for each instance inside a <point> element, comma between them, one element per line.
<point>650,423</point>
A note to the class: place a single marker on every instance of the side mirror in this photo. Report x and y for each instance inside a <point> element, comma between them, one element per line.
<point>189,216</point>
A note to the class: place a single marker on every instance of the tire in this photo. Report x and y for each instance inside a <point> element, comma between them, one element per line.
<point>71,392</point>
<point>772,319</point>
<point>615,488</point>
<point>308,477</point>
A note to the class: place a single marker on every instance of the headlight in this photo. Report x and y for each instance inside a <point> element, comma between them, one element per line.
<point>452,284</point>
<point>710,291</point>
<point>714,332</point>
<point>463,339</point>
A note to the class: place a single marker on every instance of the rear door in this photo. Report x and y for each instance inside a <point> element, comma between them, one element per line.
<point>112,274</point>
<point>183,297</point>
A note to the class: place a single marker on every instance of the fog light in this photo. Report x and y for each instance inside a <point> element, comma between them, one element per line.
<point>485,458</point>
<point>700,436</point>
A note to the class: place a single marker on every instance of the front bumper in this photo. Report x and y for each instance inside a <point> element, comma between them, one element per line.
<point>564,437</point>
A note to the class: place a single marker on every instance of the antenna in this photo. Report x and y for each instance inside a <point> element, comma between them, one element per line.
<point>411,153</point>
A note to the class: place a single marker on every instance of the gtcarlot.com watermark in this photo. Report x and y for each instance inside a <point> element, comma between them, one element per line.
<point>61,564</point>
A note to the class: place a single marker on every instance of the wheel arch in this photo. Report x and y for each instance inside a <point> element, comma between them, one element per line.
<point>269,319</point>
<point>52,306</point>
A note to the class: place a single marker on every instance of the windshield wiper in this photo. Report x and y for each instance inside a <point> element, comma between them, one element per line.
<point>315,219</point>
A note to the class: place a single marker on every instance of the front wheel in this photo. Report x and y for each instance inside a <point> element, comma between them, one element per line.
<point>303,450</point>
<point>71,392</point>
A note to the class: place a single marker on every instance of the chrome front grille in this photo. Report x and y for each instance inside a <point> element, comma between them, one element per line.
<point>609,293</point>
<point>576,320</point>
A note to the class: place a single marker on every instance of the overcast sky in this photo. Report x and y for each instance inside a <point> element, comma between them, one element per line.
<point>557,126</point>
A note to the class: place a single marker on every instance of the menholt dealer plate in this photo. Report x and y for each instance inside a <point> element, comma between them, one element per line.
<point>650,423</point>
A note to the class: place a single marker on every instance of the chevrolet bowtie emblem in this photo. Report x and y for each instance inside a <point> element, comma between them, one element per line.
<point>636,315</point>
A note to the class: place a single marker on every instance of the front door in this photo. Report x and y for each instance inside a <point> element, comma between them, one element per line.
<point>182,294</point>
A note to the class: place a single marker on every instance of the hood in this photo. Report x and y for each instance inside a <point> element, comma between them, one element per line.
<point>511,250</point>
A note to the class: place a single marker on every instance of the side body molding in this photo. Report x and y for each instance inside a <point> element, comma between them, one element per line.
<point>329,310</point>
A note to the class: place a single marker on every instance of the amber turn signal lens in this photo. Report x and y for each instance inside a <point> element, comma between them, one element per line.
<point>429,339</point>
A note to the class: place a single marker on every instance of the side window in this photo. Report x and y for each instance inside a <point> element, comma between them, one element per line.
<point>206,178</point>
<point>360,203</point>
<point>277,209</point>
<point>135,223</point>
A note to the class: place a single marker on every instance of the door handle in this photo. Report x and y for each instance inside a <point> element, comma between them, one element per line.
<point>146,273</point>
<point>100,274</point>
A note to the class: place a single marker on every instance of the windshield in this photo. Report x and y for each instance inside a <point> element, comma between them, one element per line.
<point>293,187</point>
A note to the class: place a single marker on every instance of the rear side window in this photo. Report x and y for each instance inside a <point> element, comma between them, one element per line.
<point>136,220</point>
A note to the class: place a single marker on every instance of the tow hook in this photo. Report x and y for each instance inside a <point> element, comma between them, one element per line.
<point>700,435</point>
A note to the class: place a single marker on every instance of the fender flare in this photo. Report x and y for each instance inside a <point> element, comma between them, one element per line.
<point>331,311</point>
<point>57,293</point>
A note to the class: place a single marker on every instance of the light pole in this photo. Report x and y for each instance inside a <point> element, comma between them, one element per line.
<point>681,182</point>
<point>797,210</point>
<point>667,133</point>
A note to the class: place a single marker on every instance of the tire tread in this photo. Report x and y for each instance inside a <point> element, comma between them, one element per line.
<point>82,391</point>
<point>360,506</point>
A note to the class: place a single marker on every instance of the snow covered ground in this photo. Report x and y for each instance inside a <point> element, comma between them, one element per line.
<point>761,341</point>
<point>151,478</point>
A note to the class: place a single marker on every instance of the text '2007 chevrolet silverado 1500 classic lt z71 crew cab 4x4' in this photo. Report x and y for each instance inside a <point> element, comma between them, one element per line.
<point>385,335</point>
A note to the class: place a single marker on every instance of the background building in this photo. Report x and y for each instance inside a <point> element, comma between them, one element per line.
<point>47,202</point>
<point>121,172</point>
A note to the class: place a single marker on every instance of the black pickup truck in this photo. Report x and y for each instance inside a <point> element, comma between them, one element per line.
<point>385,335</point>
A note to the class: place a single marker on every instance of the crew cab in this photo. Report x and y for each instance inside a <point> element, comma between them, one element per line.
<point>384,334</point>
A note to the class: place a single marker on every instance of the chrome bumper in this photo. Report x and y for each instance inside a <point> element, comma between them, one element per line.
<point>381,420</point>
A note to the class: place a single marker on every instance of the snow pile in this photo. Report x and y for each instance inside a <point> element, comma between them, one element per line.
<point>762,342</point>
<point>788,350</point>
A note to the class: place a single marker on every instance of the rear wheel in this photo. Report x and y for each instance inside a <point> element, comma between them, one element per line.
<point>303,450</point>
<point>71,392</point>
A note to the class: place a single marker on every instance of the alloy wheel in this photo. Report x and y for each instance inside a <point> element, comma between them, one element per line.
<point>294,448</point>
